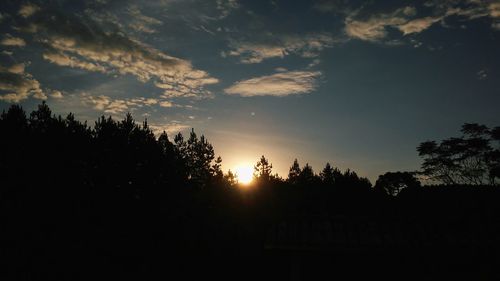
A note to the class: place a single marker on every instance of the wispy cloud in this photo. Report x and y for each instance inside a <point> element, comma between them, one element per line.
<point>28,10</point>
<point>171,128</point>
<point>56,94</point>
<point>482,74</point>
<point>109,105</point>
<point>494,9</point>
<point>279,84</point>
<point>225,7</point>
<point>418,25</point>
<point>166,104</point>
<point>63,59</point>
<point>306,46</point>
<point>375,27</point>
<point>326,6</point>
<point>141,22</point>
<point>11,41</point>
<point>17,85</point>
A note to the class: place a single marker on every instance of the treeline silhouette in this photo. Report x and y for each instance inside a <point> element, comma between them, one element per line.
<point>112,200</point>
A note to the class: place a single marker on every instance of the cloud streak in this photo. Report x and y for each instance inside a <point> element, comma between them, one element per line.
<point>11,41</point>
<point>279,84</point>
<point>225,7</point>
<point>109,105</point>
<point>28,10</point>
<point>141,22</point>
<point>171,128</point>
<point>16,85</point>
<point>306,46</point>
<point>375,27</point>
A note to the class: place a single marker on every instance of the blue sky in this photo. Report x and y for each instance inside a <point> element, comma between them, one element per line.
<point>358,84</point>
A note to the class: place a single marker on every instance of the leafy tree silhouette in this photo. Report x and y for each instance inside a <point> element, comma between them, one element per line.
<point>197,155</point>
<point>216,172</point>
<point>230,179</point>
<point>263,170</point>
<point>294,173</point>
<point>469,159</point>
<point>394,182</point>
<point>307,176</point>
<point>494,156</point>
<point>330,176</point>
<point>41,120</point>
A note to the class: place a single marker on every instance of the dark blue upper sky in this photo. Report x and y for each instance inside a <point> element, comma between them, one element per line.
<point>358,84</point>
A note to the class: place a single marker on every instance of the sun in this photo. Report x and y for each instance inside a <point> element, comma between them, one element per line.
<point>244,173</point>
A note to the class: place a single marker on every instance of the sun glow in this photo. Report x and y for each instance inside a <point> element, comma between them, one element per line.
<point>244,173</point>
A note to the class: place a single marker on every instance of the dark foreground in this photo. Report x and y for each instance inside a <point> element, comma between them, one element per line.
<point>435,233</point>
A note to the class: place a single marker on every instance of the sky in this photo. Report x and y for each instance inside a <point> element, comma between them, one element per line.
<point>358,84</point>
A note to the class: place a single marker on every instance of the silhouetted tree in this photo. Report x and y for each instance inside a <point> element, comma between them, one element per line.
<point>294,172</point>
<point>394,182</point>
<point>307,175</point>
<point>166,147</point>
<point>216,171</point>
<point>197,155</point>
<point>14,118</point>
<point>263,169</point>
<point>469,159</point>
<point>328,174</point>
<point>41,119</point>
<point>494,156</point>
<point>230,178</point>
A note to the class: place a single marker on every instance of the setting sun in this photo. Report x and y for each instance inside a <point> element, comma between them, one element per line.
<point>244,173</point>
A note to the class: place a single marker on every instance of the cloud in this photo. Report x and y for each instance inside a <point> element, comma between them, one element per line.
<point>256,53</point>
<point>225,7</point>
<point>494,9</point>
<point>306,46</point>
<point>418,25</point>
<point>11,41</point>
<point>325,6</point>
<point>115,106</point>
<point>482,74</point>
<point>63,59</point>
<point>141,22</point>
<point>374,28</point>
<point>171,128</point>
<point>97,102</point>
<point>28,10</point>
<point>56,94</point>
<point>17,68</point>
<point>279,84</point>
<point>80,42</point>
<point>141,101</point>
<point>16,85</point>
<point>106,104</point>
<point>166,104</point>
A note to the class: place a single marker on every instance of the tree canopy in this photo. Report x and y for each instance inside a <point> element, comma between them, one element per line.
<point>473,158</point>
